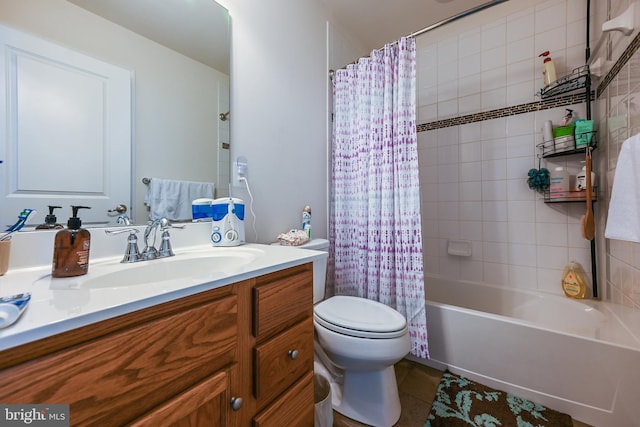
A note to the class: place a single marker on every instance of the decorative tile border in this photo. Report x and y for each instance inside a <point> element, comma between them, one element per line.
<point>546,104</point>
<point>540,105</point>
<point>621,62</point>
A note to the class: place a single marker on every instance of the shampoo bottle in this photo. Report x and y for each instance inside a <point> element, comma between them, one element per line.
<point>548,68</point>
<point>581,179</point>
<point>574,280</point>
<point>50,221</point>
<point>71,248</point>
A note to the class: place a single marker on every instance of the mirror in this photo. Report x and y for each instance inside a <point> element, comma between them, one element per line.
<point>178,54</point>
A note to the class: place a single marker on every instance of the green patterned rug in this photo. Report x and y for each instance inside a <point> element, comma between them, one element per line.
<point>462,402</point>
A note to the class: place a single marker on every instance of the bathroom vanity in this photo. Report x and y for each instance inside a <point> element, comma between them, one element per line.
<point>228,354</point>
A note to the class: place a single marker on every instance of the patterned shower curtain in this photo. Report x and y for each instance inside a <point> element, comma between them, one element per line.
<point>374,230</point>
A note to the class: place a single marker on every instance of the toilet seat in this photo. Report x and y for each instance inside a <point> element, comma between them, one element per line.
<point>359,317</point>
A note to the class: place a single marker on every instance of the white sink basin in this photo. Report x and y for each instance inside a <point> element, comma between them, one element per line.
<point>185,268</point>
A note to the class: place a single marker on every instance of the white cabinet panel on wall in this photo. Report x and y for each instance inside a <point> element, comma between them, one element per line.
<point>65,133</point>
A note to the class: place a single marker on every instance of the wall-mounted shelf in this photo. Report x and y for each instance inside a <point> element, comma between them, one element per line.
<point>571,196</point>
<point>577,79</point>
<point>553,149</point>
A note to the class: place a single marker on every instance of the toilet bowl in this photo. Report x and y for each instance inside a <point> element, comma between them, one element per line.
<point>357,343</point>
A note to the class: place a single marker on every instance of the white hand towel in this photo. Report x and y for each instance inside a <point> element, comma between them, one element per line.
<point>623,221</point>
<point>172,199</point>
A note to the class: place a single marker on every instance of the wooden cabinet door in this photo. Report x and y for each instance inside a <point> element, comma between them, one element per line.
<point>117,377</point>
<point>205,404</point>
<point>293,409</point>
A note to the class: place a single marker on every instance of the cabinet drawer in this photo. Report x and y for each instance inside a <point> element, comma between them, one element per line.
<point>294,408</point>
<point>276,368</point>
<point>284,299</point>
<point>114,379</point>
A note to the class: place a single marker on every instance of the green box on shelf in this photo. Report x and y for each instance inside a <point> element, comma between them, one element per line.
<point>584,133</point>
<point>563,131</point>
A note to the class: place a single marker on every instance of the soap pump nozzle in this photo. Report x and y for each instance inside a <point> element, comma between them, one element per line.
<point>568,118</point>
<point>51,218</point>
<point>74,222</point>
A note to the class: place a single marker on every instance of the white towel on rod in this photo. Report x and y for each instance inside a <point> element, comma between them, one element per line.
<point>623,220</point>
<point>171,199</point>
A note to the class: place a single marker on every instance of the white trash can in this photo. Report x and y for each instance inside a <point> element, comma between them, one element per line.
<point>322,397</point>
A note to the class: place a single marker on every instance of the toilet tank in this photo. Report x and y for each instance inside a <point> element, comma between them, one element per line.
<point>319,267</point>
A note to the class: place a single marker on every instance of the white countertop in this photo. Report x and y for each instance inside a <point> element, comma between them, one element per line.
<point>61,304</point>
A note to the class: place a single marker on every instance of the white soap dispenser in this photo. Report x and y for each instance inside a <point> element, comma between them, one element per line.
<point>581,179</point>
<point>548,68</point>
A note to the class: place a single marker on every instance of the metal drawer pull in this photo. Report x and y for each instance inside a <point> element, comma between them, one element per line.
<point>293,354</point>
<point>236,403</point>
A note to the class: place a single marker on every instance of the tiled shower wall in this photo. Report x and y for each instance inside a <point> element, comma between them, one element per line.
<point>619,118</point>
<point>473,175</point>
<point>476,76</point>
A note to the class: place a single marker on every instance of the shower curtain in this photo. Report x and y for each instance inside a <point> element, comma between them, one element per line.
<point>374,229</point>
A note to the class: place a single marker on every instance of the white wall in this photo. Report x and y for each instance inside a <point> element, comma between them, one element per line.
<point>279,111</point>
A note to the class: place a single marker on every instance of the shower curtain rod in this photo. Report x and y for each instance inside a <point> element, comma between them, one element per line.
<point>454,18</point>
<point>440,24</point>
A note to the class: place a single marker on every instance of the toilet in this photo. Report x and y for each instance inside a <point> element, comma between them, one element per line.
<point>357,343</point>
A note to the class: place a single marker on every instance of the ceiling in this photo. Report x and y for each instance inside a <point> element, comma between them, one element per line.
<point>176,24</point>
<point>374,23</point>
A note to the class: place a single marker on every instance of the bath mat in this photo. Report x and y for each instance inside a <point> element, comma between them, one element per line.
<point>462,402</point>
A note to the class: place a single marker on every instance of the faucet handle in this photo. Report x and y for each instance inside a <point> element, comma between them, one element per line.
<point>165,224</point>
<point>131,254</point>
<point>165,247</point>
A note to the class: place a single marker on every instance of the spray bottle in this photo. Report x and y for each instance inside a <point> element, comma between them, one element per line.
<point>548,68</point>
<point>306,221</point>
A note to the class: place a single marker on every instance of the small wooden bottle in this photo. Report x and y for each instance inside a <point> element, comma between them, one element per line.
<point>71,248</point>
<point>50,221</point>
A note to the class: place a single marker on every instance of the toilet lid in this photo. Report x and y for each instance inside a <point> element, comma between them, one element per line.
<point>360,317</point>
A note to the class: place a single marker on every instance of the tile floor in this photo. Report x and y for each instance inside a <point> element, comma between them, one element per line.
<point>417,385</point>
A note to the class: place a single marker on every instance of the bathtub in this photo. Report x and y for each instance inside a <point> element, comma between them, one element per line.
<point>577,357</point>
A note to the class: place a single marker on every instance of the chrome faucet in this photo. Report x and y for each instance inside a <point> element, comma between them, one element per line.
<point>132,254</point>
<point>123,220</point>
<point>150,252</point>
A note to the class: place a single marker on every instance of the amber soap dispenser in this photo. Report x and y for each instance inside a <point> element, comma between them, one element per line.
<point>50,221</point>
<point>71,248</point>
